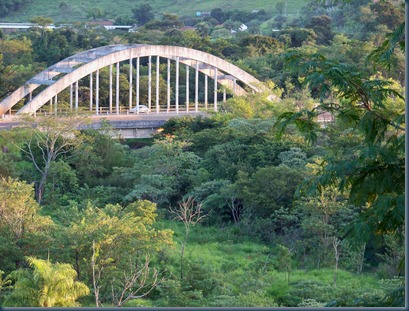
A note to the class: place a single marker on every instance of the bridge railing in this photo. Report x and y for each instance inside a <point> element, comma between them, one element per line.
<point>123,110</point>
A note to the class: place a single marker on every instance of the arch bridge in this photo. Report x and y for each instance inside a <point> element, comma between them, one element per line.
<point>43,89</point>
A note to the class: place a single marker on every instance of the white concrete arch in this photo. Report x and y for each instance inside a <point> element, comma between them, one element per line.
<point>88,62</point>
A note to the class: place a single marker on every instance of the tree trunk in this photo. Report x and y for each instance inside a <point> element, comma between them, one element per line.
<point>361,259</point>
<point>182,254</point>
<point>94,281</point>
<point>41,184</point>
<point>335,243</point>
<point>235,210</point>
<point>77,264</point>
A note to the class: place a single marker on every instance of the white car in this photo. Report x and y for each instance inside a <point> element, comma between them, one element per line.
<point>142,108</point>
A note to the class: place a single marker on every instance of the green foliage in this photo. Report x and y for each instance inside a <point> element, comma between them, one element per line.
<point>138,303</point>
<point>61,185</point>
<point>200,277</point>
<point>161,172</point>
<point>9,6</point>
<point>263,225</point>
<point>393,257</point>
<point>257,106</point>
<point>321,25</point>
<point>284,260</point>
<point>385,54</point>
<point>98,156</point>
<point>49,285</point>
<point>269,188</point>
<point>294,157</point>
<point>5,284</point>
<point>78,10</point>
<point>20,223</point>
<point>143,13</point>
<point>95,13</point>
<point>258,298</point>
<point>296,37</point>
<point>113,241</point>
<point>395,289</point>
<point>379,159</point>
<point>359,291</point>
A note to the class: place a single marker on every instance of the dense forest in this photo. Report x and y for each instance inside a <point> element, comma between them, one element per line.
<point>258,205</point>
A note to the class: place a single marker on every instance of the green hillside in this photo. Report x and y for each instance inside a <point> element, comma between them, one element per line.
<point>122,8</point>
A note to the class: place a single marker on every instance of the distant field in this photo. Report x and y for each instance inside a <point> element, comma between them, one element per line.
<point>117,8</point>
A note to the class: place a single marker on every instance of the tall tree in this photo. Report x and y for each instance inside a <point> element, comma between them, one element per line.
<point>95,13</point>
<point>65,9</point>
<point>15,64</point>
<point>20,221</point>
<point>143,13</point>
<point>49,138</point>
<point>189,213</point>
<point>110,245</point>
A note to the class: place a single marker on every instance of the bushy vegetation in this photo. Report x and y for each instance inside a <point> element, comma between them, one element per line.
<point>258,205</point>
<point>8,7</point>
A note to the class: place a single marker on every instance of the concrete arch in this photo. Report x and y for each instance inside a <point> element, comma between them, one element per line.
<point>85,63</point>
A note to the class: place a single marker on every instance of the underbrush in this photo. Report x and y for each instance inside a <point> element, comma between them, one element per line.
<point>222,271</point>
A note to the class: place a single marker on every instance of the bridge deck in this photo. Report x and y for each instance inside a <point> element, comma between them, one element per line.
<point>128,125</point>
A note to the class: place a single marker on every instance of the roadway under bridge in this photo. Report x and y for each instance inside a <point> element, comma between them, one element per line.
<point>74,83</point>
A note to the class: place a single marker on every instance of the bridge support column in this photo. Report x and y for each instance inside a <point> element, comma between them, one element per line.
<point>50,109</point>
<point>117,89</point>
<point>215,89</point>
<point>76,96</point>
<point>71,95</point>
<point>177,86</point>
<point>197,87</point>
<point>224,95</point>
<point>97,93</point>
<point>157,83</point>
<point>130,83</point>
<point>137,85</point>
<point>168,87</point>
<point>187,88</point>
<point>91,91</point>
<point>110,88</point>
<point>206,90</point>
<point>150,82</point>
<point>55,104</point>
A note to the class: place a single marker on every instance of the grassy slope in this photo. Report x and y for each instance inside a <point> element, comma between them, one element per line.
<point>235,261</point>
<point>116,8</point>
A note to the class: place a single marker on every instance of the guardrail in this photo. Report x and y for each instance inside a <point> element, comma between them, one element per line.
<point>123,110</point>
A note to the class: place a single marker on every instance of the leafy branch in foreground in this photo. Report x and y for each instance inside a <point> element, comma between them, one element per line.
<point>385,54</point>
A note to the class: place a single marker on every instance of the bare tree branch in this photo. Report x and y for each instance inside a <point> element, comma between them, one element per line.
<point>190,214</point>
